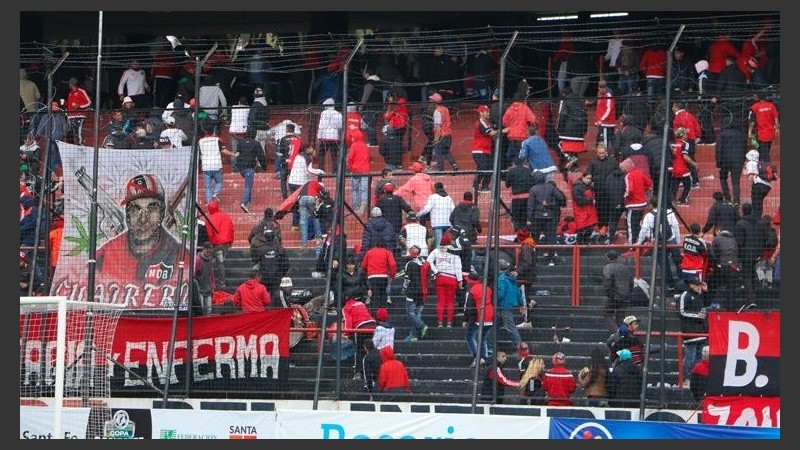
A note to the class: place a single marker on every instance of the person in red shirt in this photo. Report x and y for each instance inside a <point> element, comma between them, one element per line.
<point>78,101</point>
<point>220,229</point>
<point>681,168</point>
<point>637,185</point>
<point>559,383</point>
<point>252,295</point>
<point>683,118</point>
<point>516,120</point>
<point>392,377</point>
<point>654,67</point>
<point>718,51</point>
<point>358,161</point>
<point>605,113</point>
<point>694,254</point>
<point>381,268</point>
<point>482,145</point>
<point>764,124</point>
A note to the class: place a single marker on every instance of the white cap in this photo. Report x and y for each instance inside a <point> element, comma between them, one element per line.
<point>286,282</point>
<point>127,99</point>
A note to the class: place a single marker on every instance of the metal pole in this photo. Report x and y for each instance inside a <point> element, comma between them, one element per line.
<point>337,245</point>
<point>43,220</point>
<point>660,222</point>
<point>493,232</point>
<point>187,231</point>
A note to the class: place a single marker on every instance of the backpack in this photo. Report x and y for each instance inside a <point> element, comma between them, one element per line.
<point>767,172</point>
<point>269,235</point>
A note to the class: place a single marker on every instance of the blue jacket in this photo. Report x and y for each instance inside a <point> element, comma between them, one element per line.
<point>508,293</point>
<point>535,151</point>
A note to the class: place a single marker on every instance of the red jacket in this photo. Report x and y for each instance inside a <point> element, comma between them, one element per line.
<point>605,113</point>
<point>379,261</point>
<point>393,373</point>
<point>685,119</point>
<point>583,206</point>
<point>559,384</point>
<point>396,114</point>
<point>637,183</point>
<point>251,296</point>
<point>717,52</point>
<point>358,156</point>
<point>654,63</point>
<point>78,100</point>
<point>356,315</point>
<point>517,118</point>
<point>223,234</point>
<point>475,290</point>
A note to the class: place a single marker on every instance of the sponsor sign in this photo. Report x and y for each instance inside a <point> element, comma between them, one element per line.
<point>189,424</point>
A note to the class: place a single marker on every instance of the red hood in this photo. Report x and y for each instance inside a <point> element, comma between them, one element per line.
<point>213,206</point>
<point>387,353</point>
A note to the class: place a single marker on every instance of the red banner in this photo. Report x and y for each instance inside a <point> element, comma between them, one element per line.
<point>743,411</point>
<point>745,354</point>
<point>247,351</point>
<point>229,351</point>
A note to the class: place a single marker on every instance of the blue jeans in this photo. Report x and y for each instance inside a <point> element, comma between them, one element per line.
<point>655,86</point>
<point>692,353</point>
<point>213,182</point>
<point>472,339</point>
<point>360,191</point>
<point>506,318</point>
<point>414,312</point>
<point>626,83</point>
<point>248,175</point>
<point>437,234</point>
<point>307,204</point>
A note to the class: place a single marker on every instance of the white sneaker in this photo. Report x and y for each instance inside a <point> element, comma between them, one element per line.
<point>525,325</point>
<point>317,275</point>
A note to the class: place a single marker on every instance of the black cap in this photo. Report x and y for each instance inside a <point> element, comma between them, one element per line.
<point>612,255</point>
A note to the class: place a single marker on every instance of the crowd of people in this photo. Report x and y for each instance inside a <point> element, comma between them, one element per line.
<point>419,233</point>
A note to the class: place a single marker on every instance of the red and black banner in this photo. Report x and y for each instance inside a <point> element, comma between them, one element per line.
<point>237,352</point>
<point>745,352</point>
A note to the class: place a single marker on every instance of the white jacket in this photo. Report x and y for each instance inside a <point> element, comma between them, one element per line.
<point>330,123</point>
<point>439,208</point>
<point>301,173</point>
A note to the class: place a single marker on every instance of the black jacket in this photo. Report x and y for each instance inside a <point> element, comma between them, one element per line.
<point>731,148</point>
<point>371,366</point>
<point>392,207</point>
<point>600,170</point>
<point>519,179</point>
<point>466,216</point>
<point>250,153</point>
<point>572,120</point>
<point>257,118</point>
<point>751,238</point>
<point>546,199</point>
<point>624,385</point>
<point>723,216</point>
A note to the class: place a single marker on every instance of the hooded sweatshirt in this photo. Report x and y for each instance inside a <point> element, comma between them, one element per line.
<point>220,227</point>
<point>251,296</point>
<point>393,374</point>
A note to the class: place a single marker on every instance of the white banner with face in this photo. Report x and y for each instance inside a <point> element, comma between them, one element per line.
<point>369,425</point>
